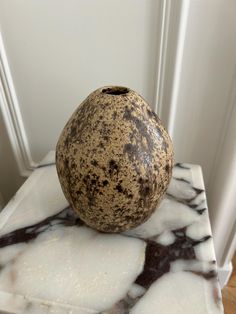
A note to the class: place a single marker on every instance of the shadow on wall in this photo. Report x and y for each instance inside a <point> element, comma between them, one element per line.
<point>10,180</point>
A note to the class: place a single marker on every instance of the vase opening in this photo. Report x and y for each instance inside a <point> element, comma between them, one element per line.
<point>116,90</point>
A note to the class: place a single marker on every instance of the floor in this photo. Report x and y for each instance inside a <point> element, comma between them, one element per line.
<point>229,292</point>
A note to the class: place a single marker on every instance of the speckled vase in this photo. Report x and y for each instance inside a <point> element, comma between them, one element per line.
<point>114,160</point>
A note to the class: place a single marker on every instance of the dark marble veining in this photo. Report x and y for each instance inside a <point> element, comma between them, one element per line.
<point>159,257</point>
<point>66,217</point>
<point>178,248</point>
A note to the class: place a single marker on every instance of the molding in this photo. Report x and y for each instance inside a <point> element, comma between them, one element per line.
<point>178,64</point>
<point>12,117</point>
<point>171,47</point>
<point>230,246</point>
<point>224,274</point>
<point>165,8</point>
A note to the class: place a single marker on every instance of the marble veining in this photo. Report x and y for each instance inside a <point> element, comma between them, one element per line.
<point>51,262</point>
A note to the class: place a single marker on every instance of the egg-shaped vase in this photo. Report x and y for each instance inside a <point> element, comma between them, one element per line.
<point>114,160</point>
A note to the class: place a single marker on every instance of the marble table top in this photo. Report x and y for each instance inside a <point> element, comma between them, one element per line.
<point>50,262</point>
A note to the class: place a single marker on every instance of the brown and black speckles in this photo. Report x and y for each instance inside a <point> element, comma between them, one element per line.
<point>152,115</point>
<point>67,141</point>
<point>145,190</point>
<point>101,145</point>
<point>157,169</point>
<point>131,150</point>
<point>164,146</point>
<point>118,138</point>
<point>94,163</point>
<point>79,192</point>
<point>73,131</point>
<point>141,126</point>
<point>114,115</point>
<point>167,168</point>
<point>119,188</point>
<point>128,112</point>
<point>158,257</point>
<point>113,167</point>
<point>105,182</point>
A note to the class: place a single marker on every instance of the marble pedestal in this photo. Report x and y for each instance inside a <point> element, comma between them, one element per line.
<point>50,262</point>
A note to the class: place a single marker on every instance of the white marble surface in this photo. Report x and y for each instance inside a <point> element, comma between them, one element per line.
<point>50,262</point>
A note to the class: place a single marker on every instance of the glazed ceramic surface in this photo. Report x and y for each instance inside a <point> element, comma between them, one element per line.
<point>114,160</point>
<point>51,262</point>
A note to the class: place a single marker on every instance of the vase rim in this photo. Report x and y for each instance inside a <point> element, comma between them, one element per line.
<point>115,90</point>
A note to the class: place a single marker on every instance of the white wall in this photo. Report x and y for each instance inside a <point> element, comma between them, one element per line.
<point>60,51</point>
